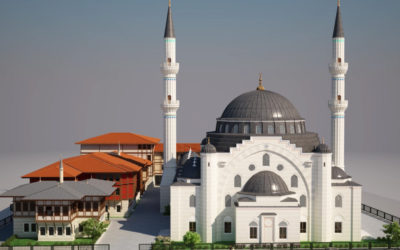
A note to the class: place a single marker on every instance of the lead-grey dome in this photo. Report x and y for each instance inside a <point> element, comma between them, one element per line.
<point>261,105</point>
<point>266,183</point>
<point>339,174</point>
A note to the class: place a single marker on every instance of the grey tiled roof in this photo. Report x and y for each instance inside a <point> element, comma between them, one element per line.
<point>339,174</point>
<point>289,199</point>
<point>68,190</point>
<point>246,199</point>
<point>261,105</point>
<point>266,183</point>
<point>183,184</point>
<point>347,183</point>
<point>338,30</point>
<point>169,26</point>
<point>191,169</point>
<point>185,157</point>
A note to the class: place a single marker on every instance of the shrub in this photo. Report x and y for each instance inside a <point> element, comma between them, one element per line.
<point>93,228</point>
<point>191,238</point>
<point>392,231</point>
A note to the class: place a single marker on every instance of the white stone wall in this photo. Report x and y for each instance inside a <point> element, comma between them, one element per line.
<point>112,208</point>
<point>247,215</point>
<point>18,223</point>
<point>181,212</point>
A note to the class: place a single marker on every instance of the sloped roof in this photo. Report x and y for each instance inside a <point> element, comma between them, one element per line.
<point>180,147</point>
<point>145,162</point>
<point>120,138</point>
<point>68,190</point>
<point>97,162</point>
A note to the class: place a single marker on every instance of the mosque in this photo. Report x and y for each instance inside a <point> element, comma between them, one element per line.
<point>261,176</point>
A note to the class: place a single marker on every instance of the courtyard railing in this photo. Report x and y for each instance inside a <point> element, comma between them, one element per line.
<point>379,213</point>
<point>76,247</point>
<point>271,246</point>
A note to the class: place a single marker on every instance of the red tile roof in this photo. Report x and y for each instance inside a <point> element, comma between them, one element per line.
<point>90,163</point>
<point>120,138</point>
<point>180,147</point>
<point>145,162</point>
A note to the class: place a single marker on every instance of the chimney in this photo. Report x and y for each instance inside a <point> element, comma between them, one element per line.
<point>61,171</point>
<point>119,148</point>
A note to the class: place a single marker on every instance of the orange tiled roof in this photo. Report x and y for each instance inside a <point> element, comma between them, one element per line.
<point>120,138</point>
<point>180,147</point>
<point>91,163</point>
<point>145,162</point>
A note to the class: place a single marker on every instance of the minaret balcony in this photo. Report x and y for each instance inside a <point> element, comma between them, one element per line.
<point>170,106</point>
<point>170,68</point>
<point>338,106</point>
<point>337,68</point>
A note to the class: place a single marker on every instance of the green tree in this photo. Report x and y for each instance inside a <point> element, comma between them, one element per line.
<point>392,231</point>
<point>93,228</point>
<point>191,239</point>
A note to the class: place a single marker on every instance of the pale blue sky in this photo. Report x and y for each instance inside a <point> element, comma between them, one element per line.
<point>70,70</point>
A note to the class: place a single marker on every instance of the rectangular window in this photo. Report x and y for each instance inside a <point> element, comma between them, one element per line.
<point>192,226</point>
<point>117,192</point>
<point>271,130</point>
<point>282,129</point>
<point>49,211</point>
<point>246,129</point>
<point>88,206</point>
<point>18,206</point>
<point>26,227</point>
<point>298,128</point>
<point>149,157</point>
<point>42,231</point>
<point>338,227</point>
<point>33,227</point>
<point>118,208</point>
<point>228,227</point>
<point>95,206</point>
<point>258,129</point>
<point>80,228</point>
<point>282,233</point>
<point>57,211</point>
<point>303,227</point>
<point>253,233</point>
<point>51,230</point>
<point>291,127</point>
<point>59,231</point>
<point>40,211</point>
<point>25,206</point>
<point>32,206</point>
<point>106,208</point>
<point>80,206</point>
<point>65,210</point>
<point>67,231</point>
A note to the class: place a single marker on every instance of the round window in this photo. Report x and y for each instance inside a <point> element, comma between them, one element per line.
<point>280,167</point>
<point>252,167</point>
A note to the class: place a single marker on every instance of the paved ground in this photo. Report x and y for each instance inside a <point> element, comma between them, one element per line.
<point>141,227</point>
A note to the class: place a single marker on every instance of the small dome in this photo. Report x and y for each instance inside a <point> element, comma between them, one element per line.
<point>266,183</point>
<point>339,174</point>
<point>186,157</point>
<point>322,148</point>
<point>208,148</point>
<point>261,105</point>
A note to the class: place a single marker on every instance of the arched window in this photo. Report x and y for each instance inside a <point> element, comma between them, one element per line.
<point>338,201</point>
<point>258,129</point>
<point>221,128</point>
<point>270,129</point>
<point>303,202</point>
<point>169,60</point>
<point>291,128</point>
<point>235,129</point>
<point>228,201</point>
<point>246,129</point>
<point>169,98</point>
<point>238,181</point>
<point>298,128</point>
<point>282,230</point>
<point>294,181</point>
<point>339,60</point>
<point>339,97</point>
<point>192,201</point>
<point>226,128</point>
<point>266,160</point>
<point>282,128</point>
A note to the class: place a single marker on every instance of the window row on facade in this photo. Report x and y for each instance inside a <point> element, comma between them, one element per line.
<point>267,128</point>
<point>55,231</point>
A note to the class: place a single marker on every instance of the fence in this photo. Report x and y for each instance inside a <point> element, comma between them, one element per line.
<point>379,213</point>
<point>5,221</point>
<point>271,246</point>
<point>78,247</point>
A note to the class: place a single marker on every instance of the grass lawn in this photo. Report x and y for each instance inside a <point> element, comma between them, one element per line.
<point>14,241</point>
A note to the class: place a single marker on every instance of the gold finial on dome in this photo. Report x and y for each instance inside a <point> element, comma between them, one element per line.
<point>260,86</point>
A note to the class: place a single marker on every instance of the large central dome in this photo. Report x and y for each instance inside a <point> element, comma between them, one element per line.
<point>261,105</point>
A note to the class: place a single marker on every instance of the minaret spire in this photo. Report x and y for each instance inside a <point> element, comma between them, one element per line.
<point>338,103</point>
<point>260,86</point>
<point>169,106</point>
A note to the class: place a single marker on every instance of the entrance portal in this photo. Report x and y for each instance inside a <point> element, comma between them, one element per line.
<point>267,230</point>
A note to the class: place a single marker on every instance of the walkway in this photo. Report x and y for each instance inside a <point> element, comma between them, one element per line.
<point>141,227</point>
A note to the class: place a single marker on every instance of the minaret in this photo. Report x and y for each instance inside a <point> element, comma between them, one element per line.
<point>169,69</point>
<point>338,103</point>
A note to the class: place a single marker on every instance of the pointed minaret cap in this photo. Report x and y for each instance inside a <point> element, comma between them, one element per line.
<point>260,86</point>
<point>338,30</point>
<point>169,26</point>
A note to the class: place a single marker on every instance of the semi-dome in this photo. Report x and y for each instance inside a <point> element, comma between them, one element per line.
<point>339,174</point>
<point>266,183</point>
<point>261,105</point>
